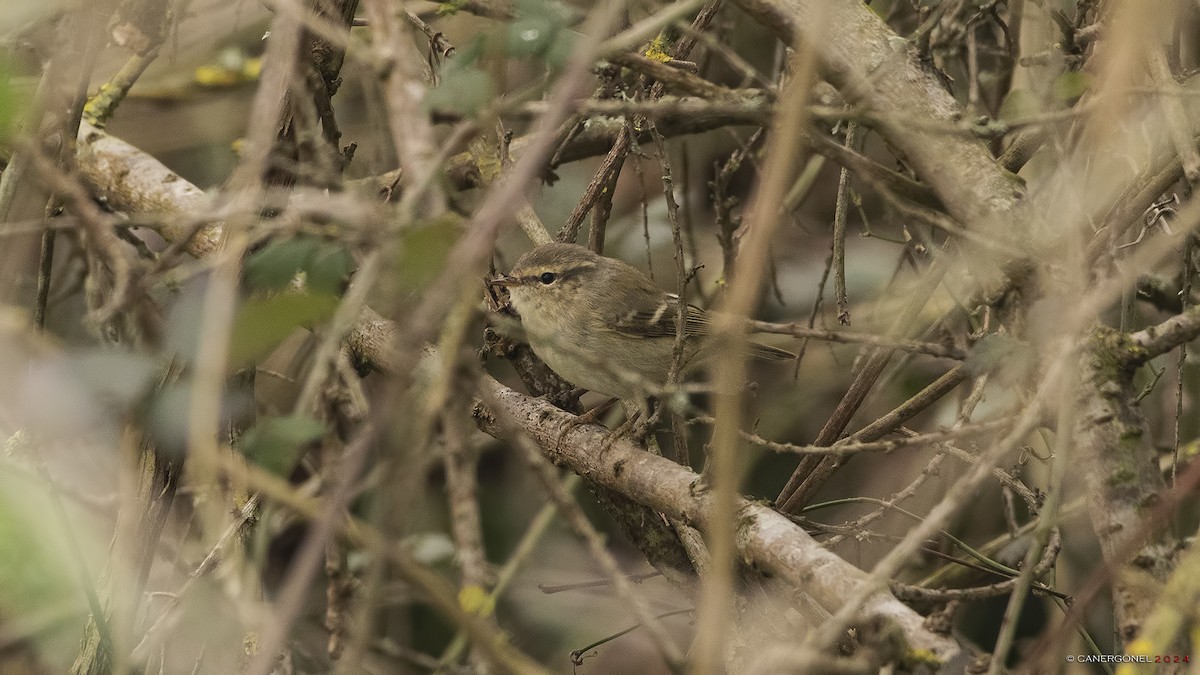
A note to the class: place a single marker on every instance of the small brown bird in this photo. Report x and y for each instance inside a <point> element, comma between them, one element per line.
<point>604,325</point>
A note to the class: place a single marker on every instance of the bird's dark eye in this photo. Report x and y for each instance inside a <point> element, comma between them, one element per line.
<point>548,278</point>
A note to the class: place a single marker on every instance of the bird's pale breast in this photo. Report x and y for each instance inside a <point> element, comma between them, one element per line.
<point>576,345</point>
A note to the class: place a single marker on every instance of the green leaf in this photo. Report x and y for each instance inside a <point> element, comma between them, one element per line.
<point>272,268</point>
<point>325,265</point>
<point>463,89</point>
<point>424,250</point>
<point>450,8</point>
<point>471,52</point>
<point>530,36</point>
<point>278,443</point>
<point>328,269</point>
<point>561,49</point>
<point>538,31</point>
<point>262,323</point>
<point>1070,86</point>
<point>39,565</point>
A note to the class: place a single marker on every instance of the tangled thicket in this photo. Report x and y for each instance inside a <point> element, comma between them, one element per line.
<point>262,414</point>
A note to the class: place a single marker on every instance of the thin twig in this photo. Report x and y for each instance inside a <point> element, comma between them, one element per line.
<point>852,447</point>
<point>850,337</point>
<point>101,107</point>
<point>1185,295</point>
<point>840,214</point>
<point>45,265</point>
<point>681,282</point>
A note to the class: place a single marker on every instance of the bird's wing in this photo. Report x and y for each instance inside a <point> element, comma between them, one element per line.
<point>653,315</point>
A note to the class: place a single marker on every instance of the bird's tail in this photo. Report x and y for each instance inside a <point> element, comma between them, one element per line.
<point>761,351</point>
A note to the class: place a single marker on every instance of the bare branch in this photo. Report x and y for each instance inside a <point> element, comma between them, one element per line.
<point>1162,338</point>
<point>772,542</point>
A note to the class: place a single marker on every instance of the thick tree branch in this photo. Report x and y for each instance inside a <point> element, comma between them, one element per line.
<point>1162,338</point>
<point>878,71</point>
<point>132,181</point>
<point>768,541</point>
<point>1122,476</point>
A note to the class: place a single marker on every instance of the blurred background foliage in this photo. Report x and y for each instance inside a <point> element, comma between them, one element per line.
<point>69,396</point>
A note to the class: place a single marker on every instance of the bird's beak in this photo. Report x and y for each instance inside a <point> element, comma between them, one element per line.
<point>503,280</point>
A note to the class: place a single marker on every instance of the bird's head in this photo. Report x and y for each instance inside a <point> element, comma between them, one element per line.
<point>550,278</point>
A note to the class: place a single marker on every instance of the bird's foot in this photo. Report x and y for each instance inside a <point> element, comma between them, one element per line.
<point>589,417</point>
<point>637,428</point>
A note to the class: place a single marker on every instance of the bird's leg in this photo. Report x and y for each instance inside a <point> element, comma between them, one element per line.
<point>590,417</point>
<point>638,424</point>
<point>644,422</point>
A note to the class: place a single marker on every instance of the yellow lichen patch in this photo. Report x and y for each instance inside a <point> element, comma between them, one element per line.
<point>229,72</point>
<point>489,167</point>
<point>450,8</point>
<point>657,50</point>
<point>215,76</point>
<point>923,656</point>
<point>1139,646</point>
<point>474,599</point>
<point>100,98</point>
<point>252,68</point>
